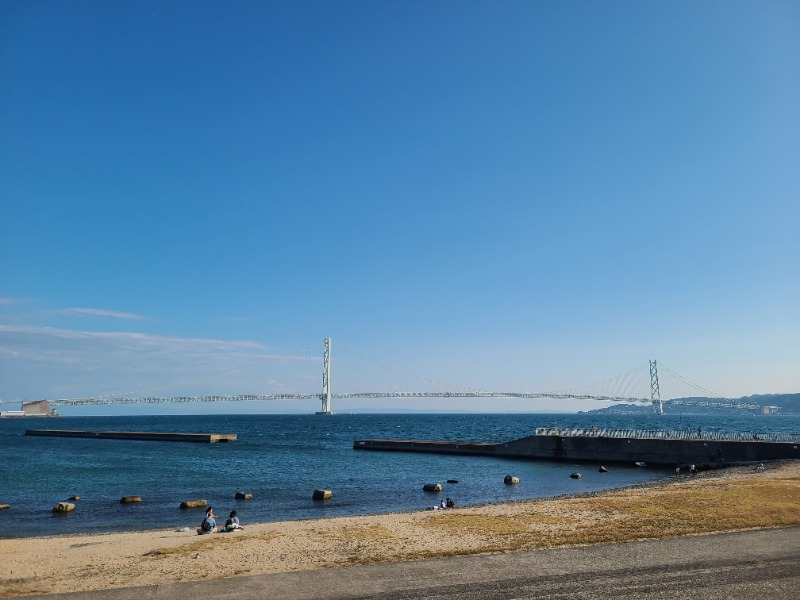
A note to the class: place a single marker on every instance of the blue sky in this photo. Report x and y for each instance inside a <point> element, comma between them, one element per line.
<point>524,196</point>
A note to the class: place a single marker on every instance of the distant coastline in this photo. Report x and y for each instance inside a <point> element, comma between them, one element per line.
<point>778,404</point>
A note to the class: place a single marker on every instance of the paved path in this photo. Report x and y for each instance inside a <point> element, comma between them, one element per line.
<point>755,564</point>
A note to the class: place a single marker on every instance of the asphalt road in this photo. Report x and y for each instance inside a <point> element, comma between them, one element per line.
<point>755,564</point>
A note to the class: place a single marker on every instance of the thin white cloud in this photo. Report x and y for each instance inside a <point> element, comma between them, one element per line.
<point>7,301</point>
<point>138,338</point>
<point>42,362</point>
<point>99,312</point>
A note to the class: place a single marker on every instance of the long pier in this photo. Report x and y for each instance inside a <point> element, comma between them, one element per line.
<point>156,436</point>
<point>659,448</point>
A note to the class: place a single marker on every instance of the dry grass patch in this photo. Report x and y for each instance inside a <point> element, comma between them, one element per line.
<point>671,511</point>
<point>369,533</point>
<point>486,525</point>
<point>368,544</point>
<point>537,519</point>
<point>356,533</point>
<point>689,509</point>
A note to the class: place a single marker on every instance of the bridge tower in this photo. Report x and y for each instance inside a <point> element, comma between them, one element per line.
<point>655,393</point>
<point>326,380</point>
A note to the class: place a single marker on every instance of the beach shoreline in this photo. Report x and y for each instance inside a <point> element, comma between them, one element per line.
<point>736,497</point>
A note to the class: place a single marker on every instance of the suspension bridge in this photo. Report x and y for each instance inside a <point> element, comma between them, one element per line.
<point>620,387</point>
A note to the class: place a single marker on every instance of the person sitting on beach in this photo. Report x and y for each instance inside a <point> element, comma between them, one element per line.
<point>442,505</point>
<point>450,503</point>
<point>232,523</point>
<point>209,524</point>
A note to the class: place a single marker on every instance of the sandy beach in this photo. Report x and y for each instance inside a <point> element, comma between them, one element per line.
<point>732,499</point>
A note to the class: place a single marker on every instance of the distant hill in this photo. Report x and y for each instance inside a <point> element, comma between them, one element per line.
<point>788,403</point>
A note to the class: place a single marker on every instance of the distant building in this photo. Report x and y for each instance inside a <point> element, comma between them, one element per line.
<point>12,413</point>
<point>35,408</point>
<point>770,410</point>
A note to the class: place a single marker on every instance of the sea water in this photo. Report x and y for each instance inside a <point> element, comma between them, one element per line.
<point>282,459</point>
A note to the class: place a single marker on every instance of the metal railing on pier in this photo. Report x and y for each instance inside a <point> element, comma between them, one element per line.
<point>671,434</point>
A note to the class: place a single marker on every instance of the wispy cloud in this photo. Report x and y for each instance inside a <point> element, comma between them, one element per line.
<point>99,312</point>
<point>7,301</point>
<point>42,362</point>
<point>126,338</point>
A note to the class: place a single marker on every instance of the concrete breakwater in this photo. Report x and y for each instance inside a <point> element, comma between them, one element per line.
<point>156,436</point>
<point>662,448</point>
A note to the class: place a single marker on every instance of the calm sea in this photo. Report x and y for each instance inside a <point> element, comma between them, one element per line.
<point>281,459</point>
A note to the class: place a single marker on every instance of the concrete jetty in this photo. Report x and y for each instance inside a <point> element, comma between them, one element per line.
<point>156,436</point>
<point>658,448</point>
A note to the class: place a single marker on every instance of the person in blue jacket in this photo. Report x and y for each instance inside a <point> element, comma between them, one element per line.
<point>209,524</point>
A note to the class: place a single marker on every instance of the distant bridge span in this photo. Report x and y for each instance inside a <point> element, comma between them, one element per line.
<point>327,395</point>
<point>263,397</point>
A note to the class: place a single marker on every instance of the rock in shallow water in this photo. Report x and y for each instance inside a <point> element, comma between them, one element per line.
<point>63,507</point>
<point>322,495</point>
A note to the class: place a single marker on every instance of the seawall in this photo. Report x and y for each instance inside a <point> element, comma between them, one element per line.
<point>599,448</point>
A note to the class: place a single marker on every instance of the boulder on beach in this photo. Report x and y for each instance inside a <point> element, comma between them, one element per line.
<point>243,496</point>
<point>74,498</point>
<point>130,499</point>
<point>322,495</point>
<point>576,475</point>
<point>194,504</point>
<point>510,480</point>
<point>63,507</point>
<point>432,487</point>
